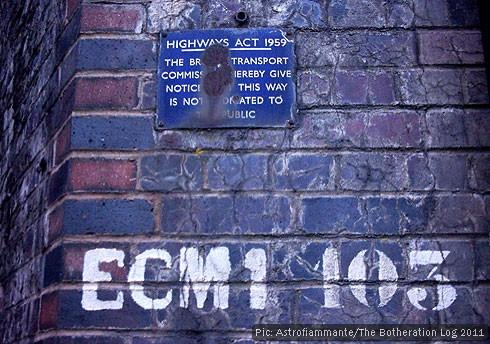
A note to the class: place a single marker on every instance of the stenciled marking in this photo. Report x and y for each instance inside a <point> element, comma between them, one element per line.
<point>199,274</point>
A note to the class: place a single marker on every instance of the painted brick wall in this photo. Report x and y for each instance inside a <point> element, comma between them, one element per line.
<point>35,37</point>
<point>339,218</point>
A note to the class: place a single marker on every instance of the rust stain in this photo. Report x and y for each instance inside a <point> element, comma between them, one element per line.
<point>217,79</point>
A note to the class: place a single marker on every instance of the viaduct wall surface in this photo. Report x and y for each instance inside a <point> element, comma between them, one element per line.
<point>370,207</point>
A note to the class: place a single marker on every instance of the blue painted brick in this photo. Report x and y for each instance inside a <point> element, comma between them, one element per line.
<point>278,310</point>
<point>297,261</point>
<point>363,49</point>
<point>213,214</point>
<point>300,14</point>
<point>333,215</point>
<point>237,172</point>
<point>463,310</point>
<point>314,88</point>
<point>191,338</point>
<point>155,271</point>
<point>482,257</point>
<point>458,266</point>
<point>125,133</point>
<point>450,171</point>
<point>458,128</point>
<point>371,214</point>
<point>307,263</point>
<point>381,172</point>
<point>392,250</point>
<point>353,13</point>
<point>399,215</point>
<point>171,173</point>
<point>394,49</point>
<point>383,215</point>
<point>116,54</point>
<point>206,215</point>
<point>216,215</point>
<point>446,13</point>
<point>177,217</point>
<point>82,340</point>
<point>68,38</point>
<point>475,87</point>
<point>53,267</point>
<point>419,175</point>
<point>460,214</point>
<point>238,257</point>
<point>109,216</point>
<point>304,172</point>
<point>312,311</point>
<point>481,303</point>
<point>262,215</point>
<point>414,213</point>
<point>433,86</point>
<point>72,315</point>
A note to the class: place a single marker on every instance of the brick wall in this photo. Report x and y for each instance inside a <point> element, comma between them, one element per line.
<point>339,218</point>
<point>35,37</point>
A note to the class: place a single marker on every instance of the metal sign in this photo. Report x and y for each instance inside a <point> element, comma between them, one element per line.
<point>226,78</point>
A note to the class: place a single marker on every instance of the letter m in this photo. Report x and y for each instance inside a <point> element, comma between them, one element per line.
<point>199,273</point>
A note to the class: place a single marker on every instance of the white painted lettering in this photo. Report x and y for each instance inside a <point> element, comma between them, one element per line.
<point>331,273</point>
<point>194,101</point>
<point>195,62</point>
<point>199,274</point>
<point>446,294</point>
<point>358,271</point>
<point>91,273</point>
<point>280,73</point>
<point>276,87</point>
<point>137,276</point>
<point>174,62</point>
<point>259,60</point>
<point>255,261</point>
<point>246,42</point>
<point>249,74</point>
<point>249,87</point>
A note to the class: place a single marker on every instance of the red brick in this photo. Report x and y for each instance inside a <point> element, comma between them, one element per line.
<point>102,174</point>
<point>62,144</point>
<point>112,18</point>
<point>106,93</point>
<point>74,255</point>
<point>73,262</point>
<point>55,223</point>
<point>49,311</point>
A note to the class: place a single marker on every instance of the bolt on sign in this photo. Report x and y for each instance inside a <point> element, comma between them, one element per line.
<point>226,78</point>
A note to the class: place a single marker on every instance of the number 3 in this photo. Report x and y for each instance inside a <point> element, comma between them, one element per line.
<point>446,293</point>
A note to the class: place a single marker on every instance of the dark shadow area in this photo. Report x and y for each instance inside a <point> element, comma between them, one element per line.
<point>484,11</point>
